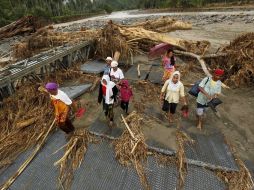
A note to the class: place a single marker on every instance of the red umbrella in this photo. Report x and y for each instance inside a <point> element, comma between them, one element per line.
<point>159,50</point>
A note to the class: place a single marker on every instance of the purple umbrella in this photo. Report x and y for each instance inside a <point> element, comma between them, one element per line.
<point>159,50</point>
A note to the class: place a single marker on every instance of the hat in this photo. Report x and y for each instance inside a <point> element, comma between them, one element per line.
<point>219,72</point>
<point>109,59</point>
<point>114,64</point>
<point>51,86</point>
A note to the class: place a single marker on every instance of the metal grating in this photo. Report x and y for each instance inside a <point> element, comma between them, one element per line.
<point>93,67</point>
<point>156,74</point>
<point>100,170</point>
<point>132,73</point>
<point>41,174</point>
<point>210,150</point>
<point>100,128</point>
<point>199,178</point>
<point>161,177</point>
<point>76,91</point>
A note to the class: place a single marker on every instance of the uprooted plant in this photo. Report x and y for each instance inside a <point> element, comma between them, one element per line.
<point>131,149</point>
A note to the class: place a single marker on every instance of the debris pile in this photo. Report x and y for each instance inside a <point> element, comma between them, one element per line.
<point>24,119</point>
<point>131,149</point>
<point>46,38</point>
<point>27,24</point>
<point>238,63</point>
<point>164,24</point>
<point>129,40</point>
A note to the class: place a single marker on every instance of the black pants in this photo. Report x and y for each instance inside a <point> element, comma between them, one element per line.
<point>172,108</point>
<point>108,110</point>
<point>125,106</point>
<point>67,126</point>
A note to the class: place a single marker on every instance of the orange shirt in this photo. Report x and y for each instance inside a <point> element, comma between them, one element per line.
<point>61,110</point>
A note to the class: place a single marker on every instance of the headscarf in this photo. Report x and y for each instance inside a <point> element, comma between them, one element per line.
<point>109,59</point>
<point>62,96</point>
<point>109,92</point>
<point>51,86</point>
<point>219,72</point>
<point>114,64</point>
<point>174,86</point>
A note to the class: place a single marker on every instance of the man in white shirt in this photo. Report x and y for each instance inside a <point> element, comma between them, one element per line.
<point>116,74</point>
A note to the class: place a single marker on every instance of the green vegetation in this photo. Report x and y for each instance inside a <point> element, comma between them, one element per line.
<point>61,10</point>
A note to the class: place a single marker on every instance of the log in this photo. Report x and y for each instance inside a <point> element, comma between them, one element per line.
<point>181,44</point>
<point>23,124</point>
<point>116,56</point>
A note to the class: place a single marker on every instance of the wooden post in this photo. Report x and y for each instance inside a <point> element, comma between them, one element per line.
<point>116,56</point>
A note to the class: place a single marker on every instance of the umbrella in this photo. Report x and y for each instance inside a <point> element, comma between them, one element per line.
<point>159,50</point>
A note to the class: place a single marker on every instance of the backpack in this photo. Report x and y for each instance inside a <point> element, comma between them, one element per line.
<point>195,88</point>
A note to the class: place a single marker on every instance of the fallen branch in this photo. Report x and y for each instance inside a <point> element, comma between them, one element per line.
<point>202,63</point>
<point>27,162</point>
<point>127,126</point>
<point>23,124</point>
<point>138,70</point>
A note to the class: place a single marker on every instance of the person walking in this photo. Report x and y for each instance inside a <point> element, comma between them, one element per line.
<point>210,88</point>
<point>62,104</point>
<point>107,95</point>
<point>125,95</point>
<point>107,68</point>
<point>116,74</point>
<point>168,62</point>
<point>171,92</point>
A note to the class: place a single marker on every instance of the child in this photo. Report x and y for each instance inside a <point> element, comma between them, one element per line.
<point>125,95</point>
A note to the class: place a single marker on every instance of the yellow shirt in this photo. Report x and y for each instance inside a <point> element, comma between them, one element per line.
<point>173,94</point>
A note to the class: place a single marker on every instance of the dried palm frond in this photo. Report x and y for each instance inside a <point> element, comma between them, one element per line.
<point>131,149</point>
<point>73,157</point>
<point>182,139</point>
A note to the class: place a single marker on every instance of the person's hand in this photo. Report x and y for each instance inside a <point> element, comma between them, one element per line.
<point>112,76</point>
<point>161,97</point>
<point>209,97</point>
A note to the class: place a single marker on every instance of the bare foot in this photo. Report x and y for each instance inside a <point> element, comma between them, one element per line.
<point>199,126</point>
<point>111,124</point>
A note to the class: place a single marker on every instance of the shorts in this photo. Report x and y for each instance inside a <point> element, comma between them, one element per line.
<point>201,109</point>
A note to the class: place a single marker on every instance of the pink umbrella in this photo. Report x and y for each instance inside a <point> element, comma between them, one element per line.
<point>159,50</point>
